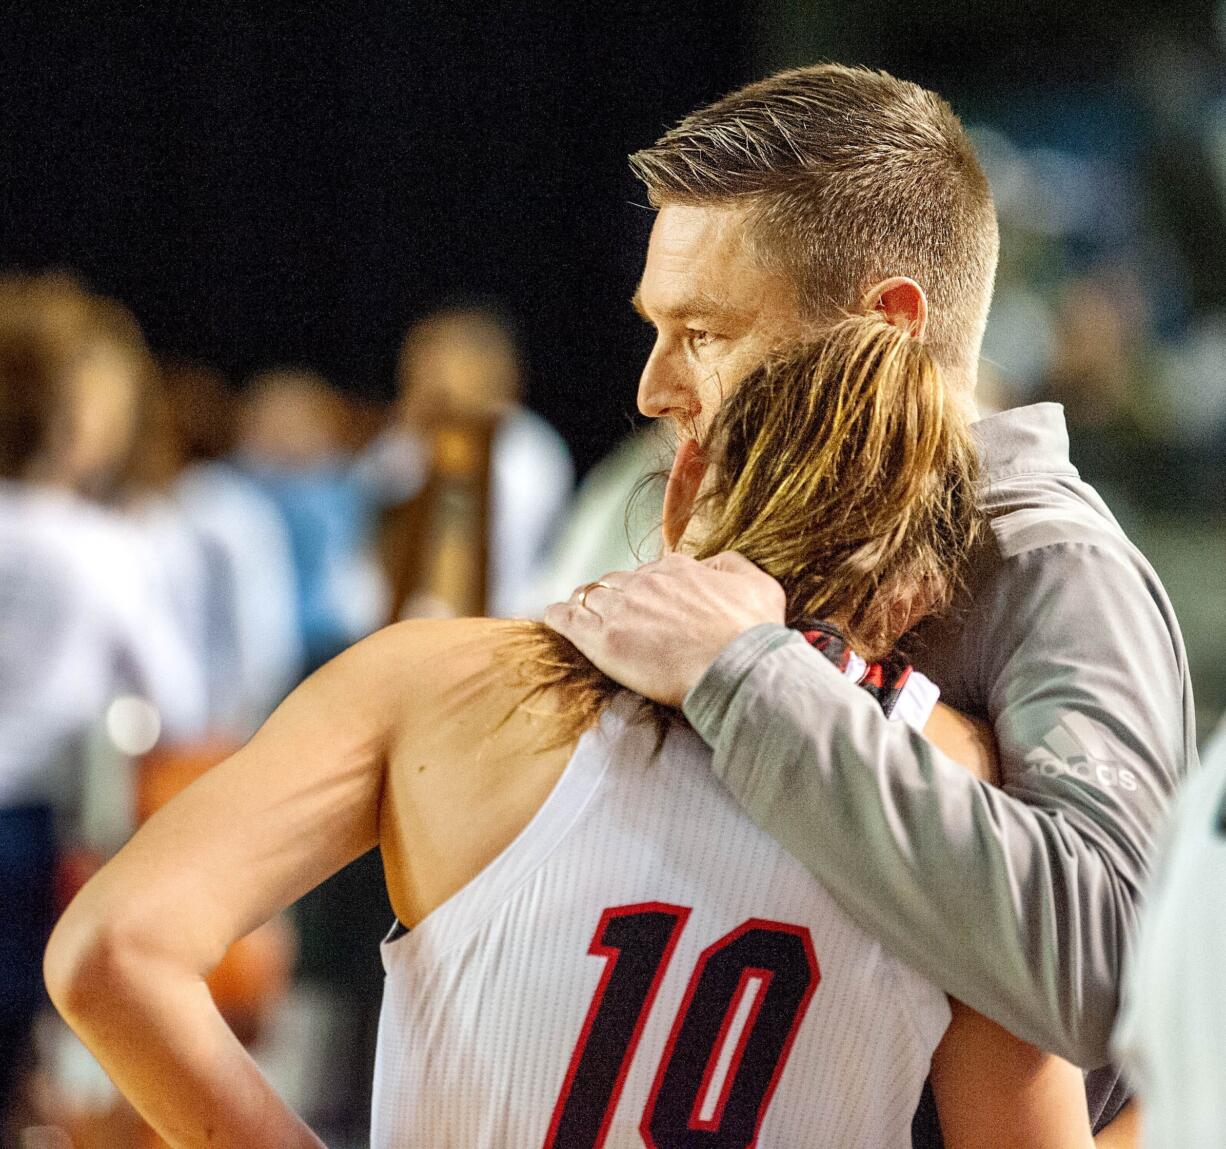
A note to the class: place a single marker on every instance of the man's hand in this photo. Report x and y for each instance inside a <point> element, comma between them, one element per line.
<point>657,629</point>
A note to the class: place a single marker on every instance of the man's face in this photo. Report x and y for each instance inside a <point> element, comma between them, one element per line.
<point>716,311</point>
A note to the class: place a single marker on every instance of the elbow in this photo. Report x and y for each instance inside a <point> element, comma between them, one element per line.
<point>86,963</point>
<point>73,960</point>
<point>1076,1027</point>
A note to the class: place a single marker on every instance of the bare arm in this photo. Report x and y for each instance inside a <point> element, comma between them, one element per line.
<point>968,741</point>
<point>991,1088</point>
<point>126,963</point>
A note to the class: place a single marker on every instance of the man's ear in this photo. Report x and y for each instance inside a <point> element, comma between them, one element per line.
<point>903,303</point>
<point>684,480</point>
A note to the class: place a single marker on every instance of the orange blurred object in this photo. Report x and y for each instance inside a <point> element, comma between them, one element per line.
<point>253,976</point>
<point>166,770</point>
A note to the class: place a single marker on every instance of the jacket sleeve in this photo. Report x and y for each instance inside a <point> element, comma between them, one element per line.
<point>1019,901</point>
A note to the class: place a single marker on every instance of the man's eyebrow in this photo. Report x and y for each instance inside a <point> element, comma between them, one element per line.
<point>693,307</point>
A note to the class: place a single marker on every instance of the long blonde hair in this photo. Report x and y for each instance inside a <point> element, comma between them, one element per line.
<point>843,469</point>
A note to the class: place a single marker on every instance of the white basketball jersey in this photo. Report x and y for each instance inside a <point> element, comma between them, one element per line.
<point>642,966</point>
<point>1171,1034</point>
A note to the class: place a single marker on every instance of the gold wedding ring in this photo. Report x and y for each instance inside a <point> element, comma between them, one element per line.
<point>588,588</point>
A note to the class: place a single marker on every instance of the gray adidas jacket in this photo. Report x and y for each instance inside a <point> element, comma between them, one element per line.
<point>1020,901</point>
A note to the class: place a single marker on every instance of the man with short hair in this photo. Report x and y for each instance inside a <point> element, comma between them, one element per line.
<point>810,194</point>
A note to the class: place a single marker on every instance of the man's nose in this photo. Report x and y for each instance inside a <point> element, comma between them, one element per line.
<point>665,390</point>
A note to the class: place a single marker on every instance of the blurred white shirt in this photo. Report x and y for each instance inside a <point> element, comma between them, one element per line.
<point>232,514</point>
<point>1171,1036</point>
<point>84,617</point>
<point>531,484</point>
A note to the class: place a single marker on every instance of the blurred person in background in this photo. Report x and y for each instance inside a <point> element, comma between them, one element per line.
<point>83,616</point>
<point>222,552</point>
<point>1098,372</point>
<point>469,484</point>
<point>247,626</point>
<point>144,495</point>
<point>293,443</point>
<point>460,377</point>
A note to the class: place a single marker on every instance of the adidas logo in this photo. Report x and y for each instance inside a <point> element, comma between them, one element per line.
<point>1078,748</point>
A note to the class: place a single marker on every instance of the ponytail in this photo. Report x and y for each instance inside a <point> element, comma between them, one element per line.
<point>841,468</point>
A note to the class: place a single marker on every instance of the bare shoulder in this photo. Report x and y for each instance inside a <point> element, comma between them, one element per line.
<point>453,678</point>
<point>449,648</point>
<point>456,645</point>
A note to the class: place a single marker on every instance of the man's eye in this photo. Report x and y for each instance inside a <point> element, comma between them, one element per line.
<point>698,337</point>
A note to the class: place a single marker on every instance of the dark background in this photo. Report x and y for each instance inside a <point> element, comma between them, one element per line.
<point>299,186</point>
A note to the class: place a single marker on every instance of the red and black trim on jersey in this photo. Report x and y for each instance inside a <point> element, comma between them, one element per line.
<point>884,680</point>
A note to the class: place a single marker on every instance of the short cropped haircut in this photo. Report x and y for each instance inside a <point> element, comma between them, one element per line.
<point>849,176</point>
